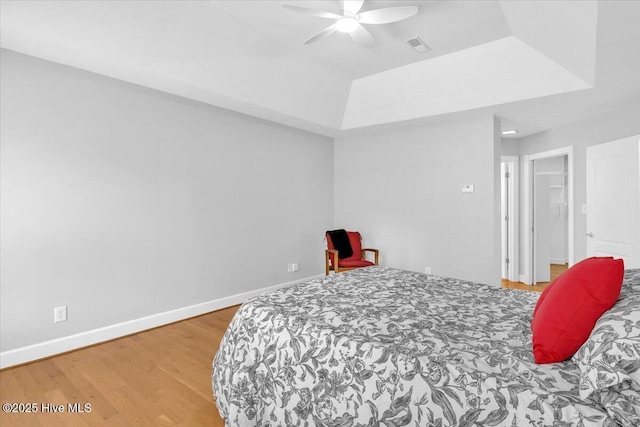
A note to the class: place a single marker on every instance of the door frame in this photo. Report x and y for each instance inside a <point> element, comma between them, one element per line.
<point>511,166</point>
<point>527,217</point>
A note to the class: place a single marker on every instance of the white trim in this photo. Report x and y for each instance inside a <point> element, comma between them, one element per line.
<point>41,350</point>
<point>528,205</point>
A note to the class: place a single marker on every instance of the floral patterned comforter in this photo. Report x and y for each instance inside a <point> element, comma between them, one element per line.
<point>383,347</point>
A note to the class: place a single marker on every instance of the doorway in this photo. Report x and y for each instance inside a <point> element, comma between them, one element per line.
<point>550,219</point>
<point>548,215</point>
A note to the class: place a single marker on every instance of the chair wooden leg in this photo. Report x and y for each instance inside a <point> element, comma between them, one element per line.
<point>333,265</point>
<point>326,262</point>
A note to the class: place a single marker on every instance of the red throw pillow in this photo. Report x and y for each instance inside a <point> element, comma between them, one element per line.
<point>546,290</point>
<point>569,308</point>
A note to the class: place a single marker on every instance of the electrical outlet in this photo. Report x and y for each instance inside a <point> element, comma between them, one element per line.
<point>427,270</point>
<point>292,267</point>
<point>60,314</point>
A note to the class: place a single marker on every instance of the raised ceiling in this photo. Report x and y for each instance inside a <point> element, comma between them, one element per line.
<point>536,64</point>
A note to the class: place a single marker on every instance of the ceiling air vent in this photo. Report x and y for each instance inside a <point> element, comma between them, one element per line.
<point>418,45</point>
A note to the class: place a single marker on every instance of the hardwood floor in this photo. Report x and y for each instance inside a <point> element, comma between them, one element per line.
<point>157,377</point>
<point>556,270</point>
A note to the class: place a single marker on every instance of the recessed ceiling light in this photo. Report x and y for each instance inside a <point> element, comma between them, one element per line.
<point>510,132</point>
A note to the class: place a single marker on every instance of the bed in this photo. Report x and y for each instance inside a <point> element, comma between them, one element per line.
<point>384,347</point>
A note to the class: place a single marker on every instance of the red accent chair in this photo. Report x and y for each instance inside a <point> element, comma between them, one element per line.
<point>357,260</point>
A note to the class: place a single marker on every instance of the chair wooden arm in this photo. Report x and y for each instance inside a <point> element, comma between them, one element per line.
<point>327,254</point>
<point>375,254</point>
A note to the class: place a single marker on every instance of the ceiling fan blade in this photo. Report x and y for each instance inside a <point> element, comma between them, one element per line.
<point>314,12</point>
<point>387,15</point>
<point>351,7</point>
<point>361,36</point>
<point>322,34</point>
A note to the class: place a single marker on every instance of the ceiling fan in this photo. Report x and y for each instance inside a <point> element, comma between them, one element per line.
<point>352,19</point>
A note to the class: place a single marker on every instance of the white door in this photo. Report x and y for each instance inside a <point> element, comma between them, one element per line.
<point>541,228</point>
<point>613,200</point>
<point>509,218</point>
<point>504,215</point>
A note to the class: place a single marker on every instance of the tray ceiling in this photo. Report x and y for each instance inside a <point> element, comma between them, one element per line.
<point>248,56</point>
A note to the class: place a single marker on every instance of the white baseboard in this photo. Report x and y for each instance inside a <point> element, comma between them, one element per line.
<point>73,342</point>
<point>521,278</point>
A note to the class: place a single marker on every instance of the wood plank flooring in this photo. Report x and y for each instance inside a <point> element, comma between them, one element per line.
<point>556,270</point>
<point>153,378</point>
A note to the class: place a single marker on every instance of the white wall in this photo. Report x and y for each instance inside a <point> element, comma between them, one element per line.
<point>123,202</point>
<point>402,189</point>
<point>510,147</point>
<point>619,123</point>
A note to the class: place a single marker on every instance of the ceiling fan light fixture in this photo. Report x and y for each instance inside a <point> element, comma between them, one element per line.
<point>352,20</point>
<point>347,24</point>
